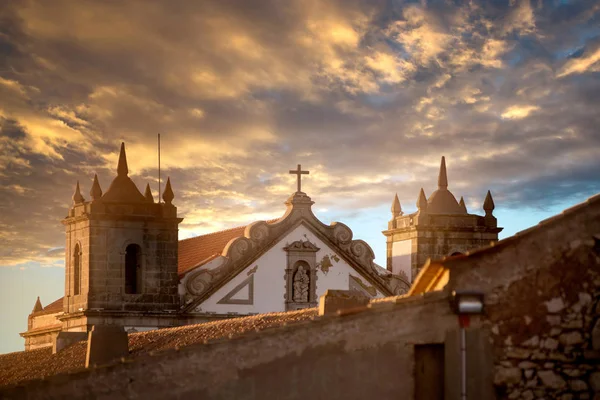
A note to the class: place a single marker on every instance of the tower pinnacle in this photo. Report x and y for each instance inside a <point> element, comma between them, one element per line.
<point>422,201</point>
<point>148,194</point>
<point>442,177</point>
<point>37,306</point>
<point>396,207</point>
<point>122,169</point>
<point>488,204</point>
<point>462,204</point>
<point>96,191</point>
<point>77,197</point>
<point>168,195</point>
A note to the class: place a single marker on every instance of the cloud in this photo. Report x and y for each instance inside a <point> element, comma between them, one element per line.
<point>518,112</point>
<point>367,95</point>
<point>580,65</point>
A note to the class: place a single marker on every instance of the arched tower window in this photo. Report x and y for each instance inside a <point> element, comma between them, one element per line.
<point>133,269</point>
<point>77,270</point>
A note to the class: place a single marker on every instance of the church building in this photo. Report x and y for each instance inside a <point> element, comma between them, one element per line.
<point>124,264</point>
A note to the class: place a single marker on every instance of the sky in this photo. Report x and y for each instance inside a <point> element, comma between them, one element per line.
<point>366,95</point>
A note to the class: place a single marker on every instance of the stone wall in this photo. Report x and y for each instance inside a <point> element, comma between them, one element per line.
<point>158,242</point>
<point>41,340</point>
<point>542,292</point>
<point>545,347</point>
<point>354,356</point>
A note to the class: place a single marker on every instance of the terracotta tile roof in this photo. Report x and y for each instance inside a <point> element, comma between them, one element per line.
<point>201,249</point>
<point>36,364</point>
<point>170,338</point>
<point>39,363</point>
<point>54,307</point>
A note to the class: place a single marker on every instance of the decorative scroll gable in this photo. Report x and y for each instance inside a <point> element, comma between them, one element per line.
<point>260,236</point>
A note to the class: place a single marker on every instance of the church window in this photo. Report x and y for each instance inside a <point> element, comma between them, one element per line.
<point>133,269</point>
<point>77,270</point>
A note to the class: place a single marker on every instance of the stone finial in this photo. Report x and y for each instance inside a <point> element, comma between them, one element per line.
<point>443,177</point>
<point>462,204</point>
<point>122,169</point>
<point>96,191</point>
<point>488,204</point>
<point>148,194</point>
<point>396,207</point>
<point>168,195</point>
<point>38,306</point>
<point>77,197</point>
<point>422,201</point>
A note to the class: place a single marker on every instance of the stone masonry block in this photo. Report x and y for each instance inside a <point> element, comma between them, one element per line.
<point>65,339</point>
<point>334,300</point>
<point>105,344</point>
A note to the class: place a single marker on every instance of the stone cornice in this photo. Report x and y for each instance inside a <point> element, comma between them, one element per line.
<point>41,330</point>
<point>259,237</point>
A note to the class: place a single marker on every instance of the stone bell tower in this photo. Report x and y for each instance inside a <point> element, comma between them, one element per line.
<point>120,257</point>
<point>440,227</point>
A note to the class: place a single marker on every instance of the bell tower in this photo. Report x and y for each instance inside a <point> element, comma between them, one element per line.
<point>440,227</point>
<point>120,257</point>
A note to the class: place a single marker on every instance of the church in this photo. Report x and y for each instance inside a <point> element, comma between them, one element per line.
<point>125,266</point>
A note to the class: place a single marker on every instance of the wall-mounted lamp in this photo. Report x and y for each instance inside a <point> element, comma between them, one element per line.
<point>467,302</point>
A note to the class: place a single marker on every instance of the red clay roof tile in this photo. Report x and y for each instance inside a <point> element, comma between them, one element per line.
<point>36,364</point>
<point>201,249</point>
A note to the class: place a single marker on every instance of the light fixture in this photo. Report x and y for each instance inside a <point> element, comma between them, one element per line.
<point>467,302</point>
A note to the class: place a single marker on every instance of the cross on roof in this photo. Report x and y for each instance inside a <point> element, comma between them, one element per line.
<point>299,173</point>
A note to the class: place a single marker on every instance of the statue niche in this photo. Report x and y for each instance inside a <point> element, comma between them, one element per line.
<point>301,275</point>
<point>301,284</point>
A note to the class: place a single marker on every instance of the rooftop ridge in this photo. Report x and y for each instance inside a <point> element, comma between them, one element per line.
<point>227,321</point>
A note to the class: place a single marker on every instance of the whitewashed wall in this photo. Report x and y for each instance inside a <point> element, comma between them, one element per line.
<point>401,257</point>
<point>269,278</point>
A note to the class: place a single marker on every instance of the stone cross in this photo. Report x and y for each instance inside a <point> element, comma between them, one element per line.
<point>299,173</point>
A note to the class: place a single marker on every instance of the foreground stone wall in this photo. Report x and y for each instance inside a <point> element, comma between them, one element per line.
<point>542,294</point>
<point>549,347</point>
<point>357,356</point>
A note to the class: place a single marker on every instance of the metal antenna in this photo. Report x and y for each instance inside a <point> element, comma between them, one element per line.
<point>159,169</point>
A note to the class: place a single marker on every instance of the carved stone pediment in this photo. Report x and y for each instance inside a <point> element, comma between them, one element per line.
<point>302,245</point>
<point>260,237</point>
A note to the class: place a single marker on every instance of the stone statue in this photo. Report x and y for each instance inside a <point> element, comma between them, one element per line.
<point>301,283</point>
